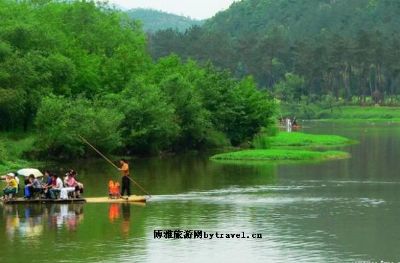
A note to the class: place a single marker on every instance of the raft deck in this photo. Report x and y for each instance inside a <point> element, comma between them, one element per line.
<point>131,199</point>
<point>44,201</point>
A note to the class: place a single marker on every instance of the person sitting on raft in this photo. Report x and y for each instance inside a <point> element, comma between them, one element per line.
<point>114,190</point>
<point>11,187</point>
<point>56,187</point>
<point>33,186</point>
<point>70,184</point>
<point>46,183</point>
<point>79,187</point>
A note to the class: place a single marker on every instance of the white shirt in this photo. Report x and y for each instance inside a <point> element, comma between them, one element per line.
<point>59,183</point>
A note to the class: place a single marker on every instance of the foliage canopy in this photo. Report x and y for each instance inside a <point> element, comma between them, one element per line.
<point>80,67</point>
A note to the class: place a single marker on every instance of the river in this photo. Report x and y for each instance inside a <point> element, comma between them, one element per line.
<point>336,211</point>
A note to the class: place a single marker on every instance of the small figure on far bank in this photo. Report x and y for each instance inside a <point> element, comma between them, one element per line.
<point>125,182</point>
<point>294,122</point>
<point>288,125</point>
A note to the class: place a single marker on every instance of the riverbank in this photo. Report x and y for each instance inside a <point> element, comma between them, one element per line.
<point>342,113</point>
<point>294,146</point>
<point>373,113</point>
<point>299,139</point>
<point>280,155</point>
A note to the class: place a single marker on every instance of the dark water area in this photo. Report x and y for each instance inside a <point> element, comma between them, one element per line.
<point>336,211</point>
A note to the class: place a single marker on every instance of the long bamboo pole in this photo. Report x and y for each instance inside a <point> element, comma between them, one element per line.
<point>108,160</point>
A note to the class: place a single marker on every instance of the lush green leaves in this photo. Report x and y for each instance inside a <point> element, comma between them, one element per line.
<point>61,121</point>
<point>65,48</point>
<point>81,68</point>
<point>149,124</point>
<point>290,89</point>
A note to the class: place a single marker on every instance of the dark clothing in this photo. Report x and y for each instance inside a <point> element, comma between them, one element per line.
<point>125,185</point>
<point>47,181</point>
<point>30,191</point>
<point>9,190</point>
<point>34,187</point>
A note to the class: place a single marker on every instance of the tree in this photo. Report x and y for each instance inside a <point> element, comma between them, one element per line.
<point>290,89</point>
<point>61,121</point>
<point>148,125</point>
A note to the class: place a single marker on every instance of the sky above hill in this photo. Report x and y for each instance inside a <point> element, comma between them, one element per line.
<point>198,9</point>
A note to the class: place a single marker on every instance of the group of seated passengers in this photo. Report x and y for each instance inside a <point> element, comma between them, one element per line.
<point>50,186</point>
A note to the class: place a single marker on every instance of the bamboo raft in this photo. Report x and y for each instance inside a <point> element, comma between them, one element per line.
<point>93,200</point>
<point>44,201</point>
<point>131,199</point>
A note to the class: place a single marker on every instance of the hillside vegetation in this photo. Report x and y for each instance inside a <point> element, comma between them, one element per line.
<point>303,51</point>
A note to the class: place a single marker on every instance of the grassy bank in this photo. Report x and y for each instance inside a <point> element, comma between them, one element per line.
<point>12,149</point>
<point>299,139</point>
<point>280,155</point>
<point>340,112</point>
<point>288,146</point>
<point>375,113</point>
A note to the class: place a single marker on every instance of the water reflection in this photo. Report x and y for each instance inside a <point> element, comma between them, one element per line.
<point>68,215</point>
<point>126,215</point>
<point>114,214</point>
<point>174,175</point>
<point>31,221</point>
<point>338,211</point>
<point>83,232</point>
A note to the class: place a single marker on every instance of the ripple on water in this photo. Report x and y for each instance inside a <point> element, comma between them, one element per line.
<point>250,195</point>
<point>265,195</point>
<point>371,202</point>
<point>341,182</point>
<point>231,190</point>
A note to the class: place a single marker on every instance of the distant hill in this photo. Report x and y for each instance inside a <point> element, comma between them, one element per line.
<point>307,18</point>
<point>339,48</point>
<point>154,20</point>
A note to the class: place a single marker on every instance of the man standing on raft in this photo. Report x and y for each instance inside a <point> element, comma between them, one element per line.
<point>125,182</point>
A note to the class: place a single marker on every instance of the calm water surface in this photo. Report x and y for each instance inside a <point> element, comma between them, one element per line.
<point>337,211</point>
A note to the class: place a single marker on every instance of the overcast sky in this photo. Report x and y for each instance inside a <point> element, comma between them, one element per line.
<point>199,9</point>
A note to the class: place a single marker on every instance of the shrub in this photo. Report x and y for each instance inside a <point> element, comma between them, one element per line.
<point>60,121</point>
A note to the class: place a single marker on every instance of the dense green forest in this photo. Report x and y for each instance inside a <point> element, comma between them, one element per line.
<point>82,68</point>
<point>153,20</point>
<point>314,50</point>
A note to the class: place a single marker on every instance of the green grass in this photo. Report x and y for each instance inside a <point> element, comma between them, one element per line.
<point>320,111</point>
<point>280,155</point>
<point>306,140</point>
<point>286,147</point>
<point>12,149</point>
<point>17,144</point>
<point>375,113</point>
